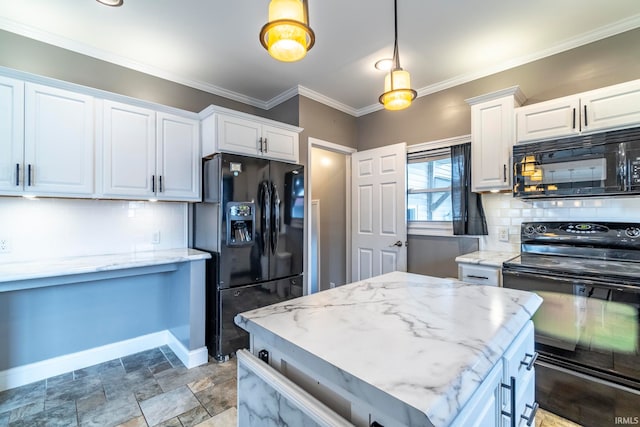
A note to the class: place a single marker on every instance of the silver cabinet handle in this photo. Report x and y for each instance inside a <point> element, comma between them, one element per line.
<point>472,276</point>
<point>153,183</point>
<point>260,144</point>
<point>512,398</point>
<point>17,174</point>
<point>530,363</point>
<point>532,415</point>
<point>266,147</point>
<point>585,116</point>
<point>29,175</point>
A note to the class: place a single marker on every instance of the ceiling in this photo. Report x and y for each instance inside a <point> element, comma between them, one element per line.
<point>213,44</point>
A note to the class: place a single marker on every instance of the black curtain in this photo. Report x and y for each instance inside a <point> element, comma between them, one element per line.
<point>468,214</point>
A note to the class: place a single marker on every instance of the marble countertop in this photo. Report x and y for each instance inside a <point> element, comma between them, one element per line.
<point>15,271</point>
<point>488,258</point>
<point>413,346</point>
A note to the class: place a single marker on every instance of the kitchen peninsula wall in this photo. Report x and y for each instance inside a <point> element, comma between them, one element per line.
<point>49,228</point>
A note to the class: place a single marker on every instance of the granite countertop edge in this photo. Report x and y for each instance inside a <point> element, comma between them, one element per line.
<point>40,269</point>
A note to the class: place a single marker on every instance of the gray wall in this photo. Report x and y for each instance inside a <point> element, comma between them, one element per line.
<point>435,255</point>
<point>446,114</point>
<point>328,184</point>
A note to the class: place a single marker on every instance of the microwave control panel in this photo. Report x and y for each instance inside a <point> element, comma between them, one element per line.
<point>635,172</point>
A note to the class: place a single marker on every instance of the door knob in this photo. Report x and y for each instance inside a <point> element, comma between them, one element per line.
<point>398,244</point>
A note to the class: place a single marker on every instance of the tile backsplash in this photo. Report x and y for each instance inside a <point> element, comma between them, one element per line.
<point>53,228</point>
<point>503,210</point>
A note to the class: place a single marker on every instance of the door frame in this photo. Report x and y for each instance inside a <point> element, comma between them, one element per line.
<point>347,151</point>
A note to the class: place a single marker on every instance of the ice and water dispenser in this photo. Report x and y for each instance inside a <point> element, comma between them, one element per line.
<point>241,226</point>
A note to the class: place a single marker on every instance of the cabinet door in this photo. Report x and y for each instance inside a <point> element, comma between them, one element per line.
<point>612,107</point>
<point>59,142</point>
<point>11,135</point>
<point>280,144</point>
<point>178,158</point>
<point>236,135</point>
<point>492,137</point>
<point>128,151</point>
<point>483,408</point>
<point>551,119</point>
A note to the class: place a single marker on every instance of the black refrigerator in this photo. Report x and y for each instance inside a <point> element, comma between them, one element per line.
<point>251,220</point>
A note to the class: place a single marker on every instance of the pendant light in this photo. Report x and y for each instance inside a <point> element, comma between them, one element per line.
<point>287,36</point>
<point>115,3</point>
<point>398,94</point>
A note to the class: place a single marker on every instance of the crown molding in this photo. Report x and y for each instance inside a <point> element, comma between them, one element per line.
<point>592,36</point>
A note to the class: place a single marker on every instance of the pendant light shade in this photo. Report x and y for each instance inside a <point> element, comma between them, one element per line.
<point>398,94</point>
<point>114,3</point>
<point>287,36</point>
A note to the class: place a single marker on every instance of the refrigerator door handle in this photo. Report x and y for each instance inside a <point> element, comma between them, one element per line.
<point>275,218</point>
<point>265,215</point>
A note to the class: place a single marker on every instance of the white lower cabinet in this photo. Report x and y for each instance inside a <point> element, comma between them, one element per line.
<point>484,409</point>
<point>506,397</point>
<point>266,397</point>
<point>480,274</point>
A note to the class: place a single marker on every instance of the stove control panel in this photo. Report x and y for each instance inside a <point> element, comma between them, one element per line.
<point>583,228</point>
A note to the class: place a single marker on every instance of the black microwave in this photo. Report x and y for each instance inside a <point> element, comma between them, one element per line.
<point>606,163</point>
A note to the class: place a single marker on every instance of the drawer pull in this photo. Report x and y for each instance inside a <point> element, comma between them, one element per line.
<point>530,363</point>
<point>512,400</point>
<point>473,276</point>
<point>532,415</point>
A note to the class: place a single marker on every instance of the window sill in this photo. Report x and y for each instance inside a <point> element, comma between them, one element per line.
<point>430,228</point>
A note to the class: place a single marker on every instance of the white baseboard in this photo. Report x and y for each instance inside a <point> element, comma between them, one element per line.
<point>25,374</point>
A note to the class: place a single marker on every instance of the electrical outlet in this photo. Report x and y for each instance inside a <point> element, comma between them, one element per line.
<point>503,234</point>
<point>155,238</point>
<point>5,247</point>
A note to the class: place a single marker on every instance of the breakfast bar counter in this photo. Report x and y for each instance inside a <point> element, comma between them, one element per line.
<point>397,349</point>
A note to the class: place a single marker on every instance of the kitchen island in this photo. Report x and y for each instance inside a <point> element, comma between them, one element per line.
<point>397,349</point>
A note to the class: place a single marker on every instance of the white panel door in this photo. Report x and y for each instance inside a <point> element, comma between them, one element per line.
<point>58,142</point>
<point>128,151</point>
<point>11,135</point>
<point>378,211</point>
<point>178,158</point>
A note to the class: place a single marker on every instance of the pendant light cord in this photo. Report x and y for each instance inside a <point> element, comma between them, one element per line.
<point>396,55</point>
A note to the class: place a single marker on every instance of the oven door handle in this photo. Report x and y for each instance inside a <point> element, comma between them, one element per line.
<point>572,280</point>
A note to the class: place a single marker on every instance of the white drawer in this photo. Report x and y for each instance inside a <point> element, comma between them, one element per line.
<point>518,359</point>
<point>479,274</point>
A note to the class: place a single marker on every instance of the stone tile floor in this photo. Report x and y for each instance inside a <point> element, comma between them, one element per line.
<point>151,388</point>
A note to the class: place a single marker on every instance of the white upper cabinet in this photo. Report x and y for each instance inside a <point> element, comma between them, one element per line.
<point>58,142</point>
<point>11,135</point>
<point>492,136</point>
<point>611,107</point>
<point>148,154</point>
<point>178,158</point>
<point>230,131</point>
<point>128,151</point>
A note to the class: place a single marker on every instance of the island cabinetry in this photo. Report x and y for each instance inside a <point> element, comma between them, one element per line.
<point>611,107</point>
<point>402,349</point>
<point>230,131</point>
<point>492,136</point>
<point>148,154</point>
<point>47,140</point>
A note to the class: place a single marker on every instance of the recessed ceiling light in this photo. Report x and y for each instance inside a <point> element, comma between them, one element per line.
<point>111,2</point>
<point>384,64</point>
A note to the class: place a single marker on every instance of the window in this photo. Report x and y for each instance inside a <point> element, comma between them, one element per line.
<point>429,186</point>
